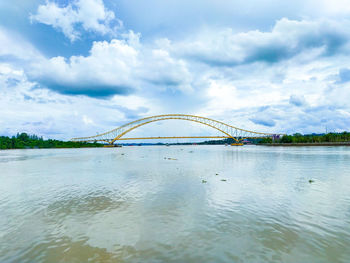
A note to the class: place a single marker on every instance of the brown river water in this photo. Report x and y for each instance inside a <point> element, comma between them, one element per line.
<point>175,204</point>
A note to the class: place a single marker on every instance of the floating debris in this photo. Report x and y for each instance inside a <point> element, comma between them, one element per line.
<point>223,180</point>
<point>173,159</point>
<point>203,181</point>
<point>190,151</point>
<point>122,153</point>
<point>216,174</point>
<point>311,181</point>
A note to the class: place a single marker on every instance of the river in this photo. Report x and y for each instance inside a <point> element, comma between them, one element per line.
<point>175,204</point>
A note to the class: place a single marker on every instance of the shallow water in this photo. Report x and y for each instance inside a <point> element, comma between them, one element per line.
<point>133,204</point>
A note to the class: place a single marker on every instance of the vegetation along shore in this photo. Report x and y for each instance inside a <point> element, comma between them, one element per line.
<point>25,141</point>
<point>328,139</point>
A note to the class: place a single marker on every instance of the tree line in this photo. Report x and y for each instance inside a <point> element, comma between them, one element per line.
<point>311,138</point>
<point>26,141</point>
<point>295,138</point>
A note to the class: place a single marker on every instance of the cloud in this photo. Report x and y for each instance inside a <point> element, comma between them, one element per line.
<point>161,69</point>
<point>297,100</point>
<point>180,18</point>
<point>316,118</point>
<point>120,66</point>
<point>88,15</point>
<point>105,72</point>
<point>263,121</point>
<point>268,116</point>
<point>14,48</point>
<point>287,39</point>
<point>271,77</point>
<point>132,114</point>
<point>330,8</point>
<point>87,120</point>
<point>344,75</point>
<point>58,116</point>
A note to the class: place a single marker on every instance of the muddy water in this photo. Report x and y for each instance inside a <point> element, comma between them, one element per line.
<point>204,204</point>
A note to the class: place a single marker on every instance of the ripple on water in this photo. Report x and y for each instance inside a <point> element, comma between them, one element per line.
<point>96,205</point>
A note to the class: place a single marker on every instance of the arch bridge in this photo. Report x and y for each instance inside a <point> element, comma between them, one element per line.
<point>228,131</point>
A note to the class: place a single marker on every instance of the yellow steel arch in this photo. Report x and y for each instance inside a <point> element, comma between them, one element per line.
<point>230,131</point>
<point>168,118</point>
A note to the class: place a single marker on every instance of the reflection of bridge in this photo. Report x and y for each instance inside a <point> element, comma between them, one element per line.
<point>228,131</point>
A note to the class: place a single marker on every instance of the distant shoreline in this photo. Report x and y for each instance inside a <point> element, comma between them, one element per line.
<point>88,147</point>
<point>260,144</point>
<point>307,144</point>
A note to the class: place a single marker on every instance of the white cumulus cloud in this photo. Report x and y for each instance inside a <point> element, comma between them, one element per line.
<point>90,15</point>
<point>120,66</point>
<point>106,71</point>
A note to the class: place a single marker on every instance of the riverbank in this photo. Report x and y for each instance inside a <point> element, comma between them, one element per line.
<point>307,144</point>
<point>25,141</point>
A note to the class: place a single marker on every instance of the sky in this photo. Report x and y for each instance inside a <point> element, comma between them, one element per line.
<point>71,68</point>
